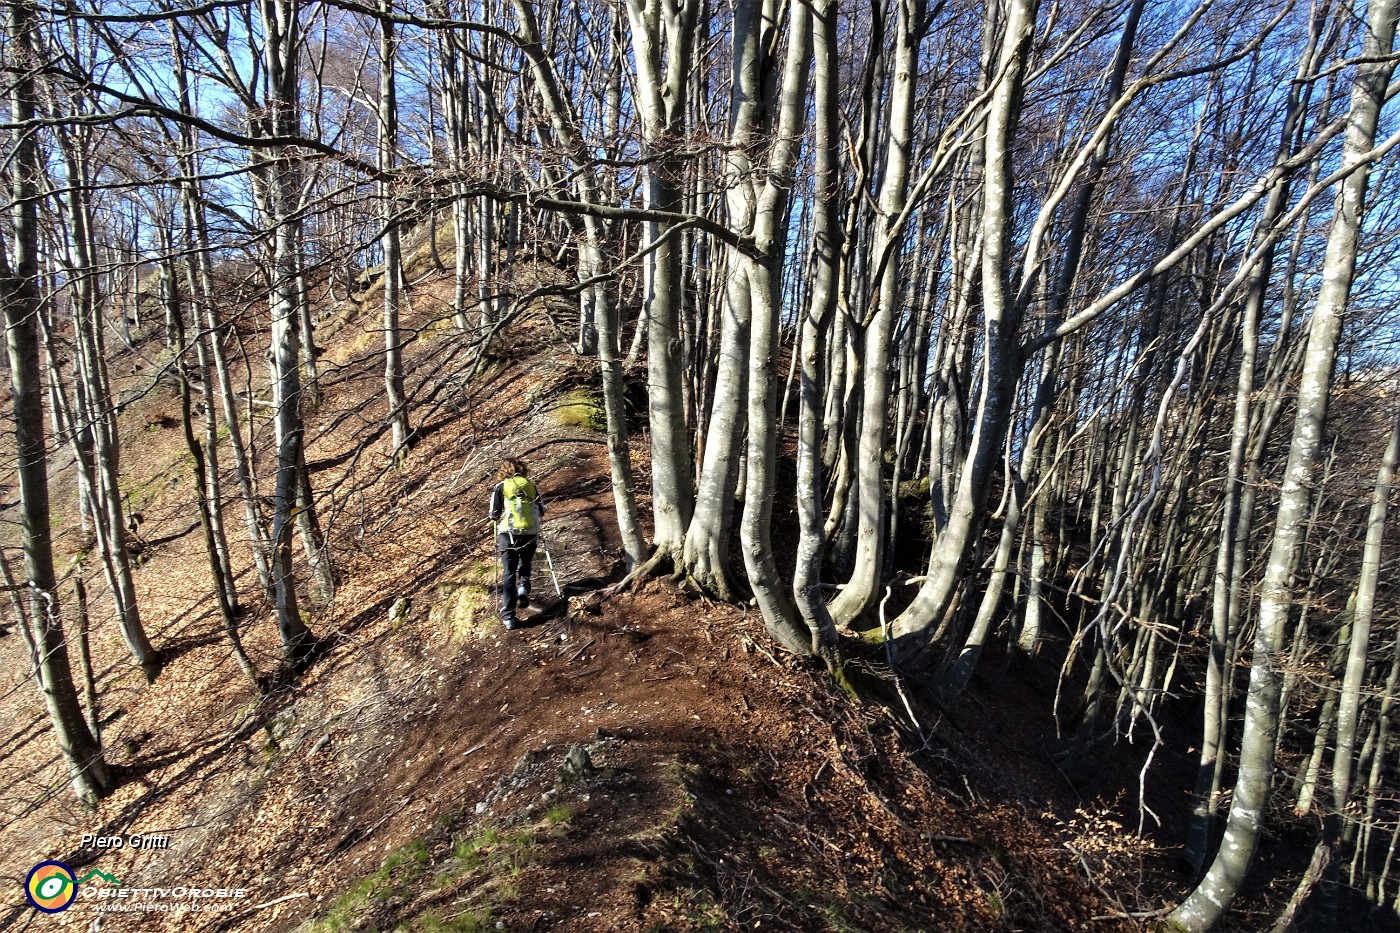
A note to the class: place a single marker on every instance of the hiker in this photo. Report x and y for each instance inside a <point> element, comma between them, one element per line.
<point>516,510</point>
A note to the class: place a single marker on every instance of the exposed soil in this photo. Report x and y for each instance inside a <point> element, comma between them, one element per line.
<point>415,776</point>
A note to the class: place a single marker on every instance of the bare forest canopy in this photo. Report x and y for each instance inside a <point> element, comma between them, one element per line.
<point>1062,331</point>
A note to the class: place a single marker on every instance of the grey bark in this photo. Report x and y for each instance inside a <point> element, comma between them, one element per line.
<point>662,35</point>
<point>1229,556</point>
<point>393,257</point>
<point>224,592</point>
<point>861,589</point>
<point>210,338</point>
<point>1001,320</point>
<point>91,706</point>
<point>98,414</point>
<point>591,242</point>
<point>705,556</point>
<point>769,227</point>
<point>1209,900</point>
<point>278,194</point>
<point>19,298</point>
<point>816,319</point>
<point>1076,228</point>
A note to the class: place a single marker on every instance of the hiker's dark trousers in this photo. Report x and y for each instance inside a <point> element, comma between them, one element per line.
<point>517,555</point>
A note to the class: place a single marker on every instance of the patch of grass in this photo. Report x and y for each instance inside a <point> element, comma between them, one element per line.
<point>349,911</point>
<point>414,855</point>
<point>558,814</point>
<point>467,853</point>
<point>683,776</point>
<point>698,907</point>
<point>490,858</point>
<point>836,919</point>
<point>471,921</point>
<point>517,852</point>
<point>345,911</point>
<point>488,850</point>
<point>833,914</point>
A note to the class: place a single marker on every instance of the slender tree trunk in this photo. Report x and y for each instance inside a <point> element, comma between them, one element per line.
<point>224,594</point>
<point>85,673</point>
<point>99,414</point>
<point>19,298</point>
<point>614,404</point>
<point>1002,364</point>
<point>1227,557</point>
<point>705,557</point>
<point>1327,856</point>
<point>23,622</point>
<point>591,242</point>
<point>815,321</point>
<point>662,34</point>
<point>770,236</point>
<point>1038,434</point>
<point>279,21</point>
<point>393,259</point>
<point>1217,890</point>
<point>209,341</point>
<point>860,591</point>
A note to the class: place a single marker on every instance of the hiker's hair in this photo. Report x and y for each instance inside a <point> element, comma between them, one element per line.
<point>512,466</point>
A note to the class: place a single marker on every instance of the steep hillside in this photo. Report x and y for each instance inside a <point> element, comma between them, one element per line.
<point>644,762</point>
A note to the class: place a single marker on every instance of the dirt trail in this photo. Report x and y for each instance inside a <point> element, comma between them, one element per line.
<point>415,777</point>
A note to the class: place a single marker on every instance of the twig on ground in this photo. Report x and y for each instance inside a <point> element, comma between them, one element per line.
<point>1123,913</point>
<point>285,897</point>
<point>580,650</point>
<point>894,672</point>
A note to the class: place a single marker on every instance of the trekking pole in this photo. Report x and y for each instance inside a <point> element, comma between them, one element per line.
<point>550,561</point>
<point>495,560</point>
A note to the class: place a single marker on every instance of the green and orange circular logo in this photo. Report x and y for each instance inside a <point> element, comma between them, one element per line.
<point>51,887</point>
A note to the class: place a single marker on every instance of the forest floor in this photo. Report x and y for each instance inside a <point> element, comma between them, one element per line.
<point>426,772</point>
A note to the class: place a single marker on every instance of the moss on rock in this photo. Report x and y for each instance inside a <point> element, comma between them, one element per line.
<point>462,607</point>
<point>580,409</point>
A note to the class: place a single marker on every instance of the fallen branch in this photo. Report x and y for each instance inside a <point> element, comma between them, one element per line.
<point>574,657</point>
<point>894,671</point>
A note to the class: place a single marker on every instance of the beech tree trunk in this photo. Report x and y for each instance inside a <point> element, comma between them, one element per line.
<point>278,192</point>
<point>765,283</point>
<point>662,34</point>
<point>815,321</point>
<point>97,412</point>
<point>393,258</point>
<point>19,297</point>
<point>1001,369</point>
<point>861,589</point>
<point>1213,895</point>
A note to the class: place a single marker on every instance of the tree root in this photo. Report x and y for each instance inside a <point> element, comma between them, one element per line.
<point>662,557</point>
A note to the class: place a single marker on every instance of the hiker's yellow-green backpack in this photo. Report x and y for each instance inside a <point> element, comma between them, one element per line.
<point>521,515</point>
